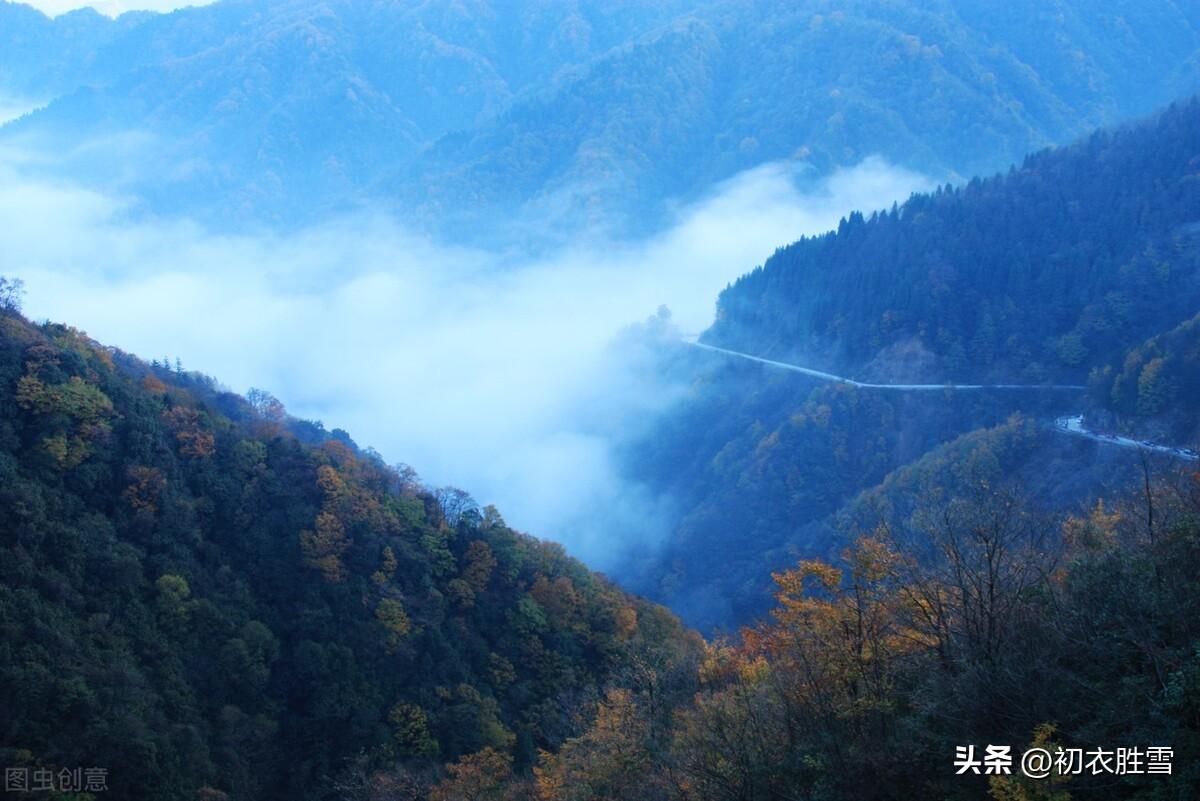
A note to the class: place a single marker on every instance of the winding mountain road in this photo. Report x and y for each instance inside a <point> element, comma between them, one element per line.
<point>1070,424</point>
<point>1073,424</point>
<point>837,379</point>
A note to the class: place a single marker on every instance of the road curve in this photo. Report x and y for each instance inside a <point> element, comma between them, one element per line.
<point>837,379</point>
<point>1073,424</point>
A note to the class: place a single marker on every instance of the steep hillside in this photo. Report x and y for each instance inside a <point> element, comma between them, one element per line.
<point>209,600</point>
<point>1153,390</point>
<point>284,109</point>
<point>957,610</point>
<point>1045,272</point>
<point>41,58</point>
<point>476,112</point>
<point>957,613</point>
<point>947,88</point>
<point>1082,265</point>
<point>198,592</point>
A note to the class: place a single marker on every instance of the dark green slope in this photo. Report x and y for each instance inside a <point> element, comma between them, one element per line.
<point>1043,273</point>
<point>1082,266</point>
<point>196,591</point>
<point>1155,388</point>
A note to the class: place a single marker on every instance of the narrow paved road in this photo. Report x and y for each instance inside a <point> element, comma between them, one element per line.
<point>868,385</point>
<point>1073,424</point>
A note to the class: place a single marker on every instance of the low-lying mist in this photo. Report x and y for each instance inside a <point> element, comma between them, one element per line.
<point>485,371</point>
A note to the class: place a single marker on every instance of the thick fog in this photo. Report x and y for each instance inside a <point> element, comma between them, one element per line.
<point>485,371</point>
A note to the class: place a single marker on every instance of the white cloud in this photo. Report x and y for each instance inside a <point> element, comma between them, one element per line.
<point>482,371</point>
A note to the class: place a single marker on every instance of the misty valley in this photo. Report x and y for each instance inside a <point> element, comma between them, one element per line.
<point>629,401</point>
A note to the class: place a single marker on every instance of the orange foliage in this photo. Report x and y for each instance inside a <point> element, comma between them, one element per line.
<point>479,564</point>
<point>627,622</point>
<point>323,547</point>
<point>193,440</point>
<point>476,777</point>
<point>559,598</point>
<point>610,761</point>
<point>142,494</point>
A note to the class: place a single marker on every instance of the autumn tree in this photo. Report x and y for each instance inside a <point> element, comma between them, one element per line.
<point>609,762</point>
<point>837,651</point>
<point>12,290</point>
<point>323,546</point>
<point>482,776</point>
<point>266,405</point>
<point>391,615</point>
<point>988,550</point>
<point>454,503</point>
<point>146,485</point>
<point>731,742</point>
<point>194,440</point>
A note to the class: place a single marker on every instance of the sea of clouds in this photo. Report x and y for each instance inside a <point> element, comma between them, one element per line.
<point>483,370</point>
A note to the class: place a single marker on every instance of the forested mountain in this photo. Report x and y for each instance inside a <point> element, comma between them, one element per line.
<point>1082,266</point>
<point>277,109</point>
<point>957,613</point>
<point>571,111</point>
<point>1042,273</point>
<point>41,58</point>
<point>1154,388</point>
<point>953,87</point>
<point>211,600</point>
<point>206,598</point>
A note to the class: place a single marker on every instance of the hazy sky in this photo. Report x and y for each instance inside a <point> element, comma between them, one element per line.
<point>112,7</point>
<point>492,375</point>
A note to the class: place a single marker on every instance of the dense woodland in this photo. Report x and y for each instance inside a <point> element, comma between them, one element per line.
<point>959,613</point>
<point>467,115</point>
<point>198,592</point>
<point>1058,266</point>
<point>1081,266</point>
<point>215,601</point>
<point>1156,385</point>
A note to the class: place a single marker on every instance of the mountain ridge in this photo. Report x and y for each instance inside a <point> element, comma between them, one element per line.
<point>222,600</point>
<point>648,105</point>
<point>1077,267</point>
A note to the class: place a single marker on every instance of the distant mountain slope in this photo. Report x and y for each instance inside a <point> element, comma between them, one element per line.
<point>1081,264</point>
<point>193,597</point>
<point>1057,267</point>
<point>282,108</point>
<point>946,88</point>
<point>42,57</point>
<point>569,112</point>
